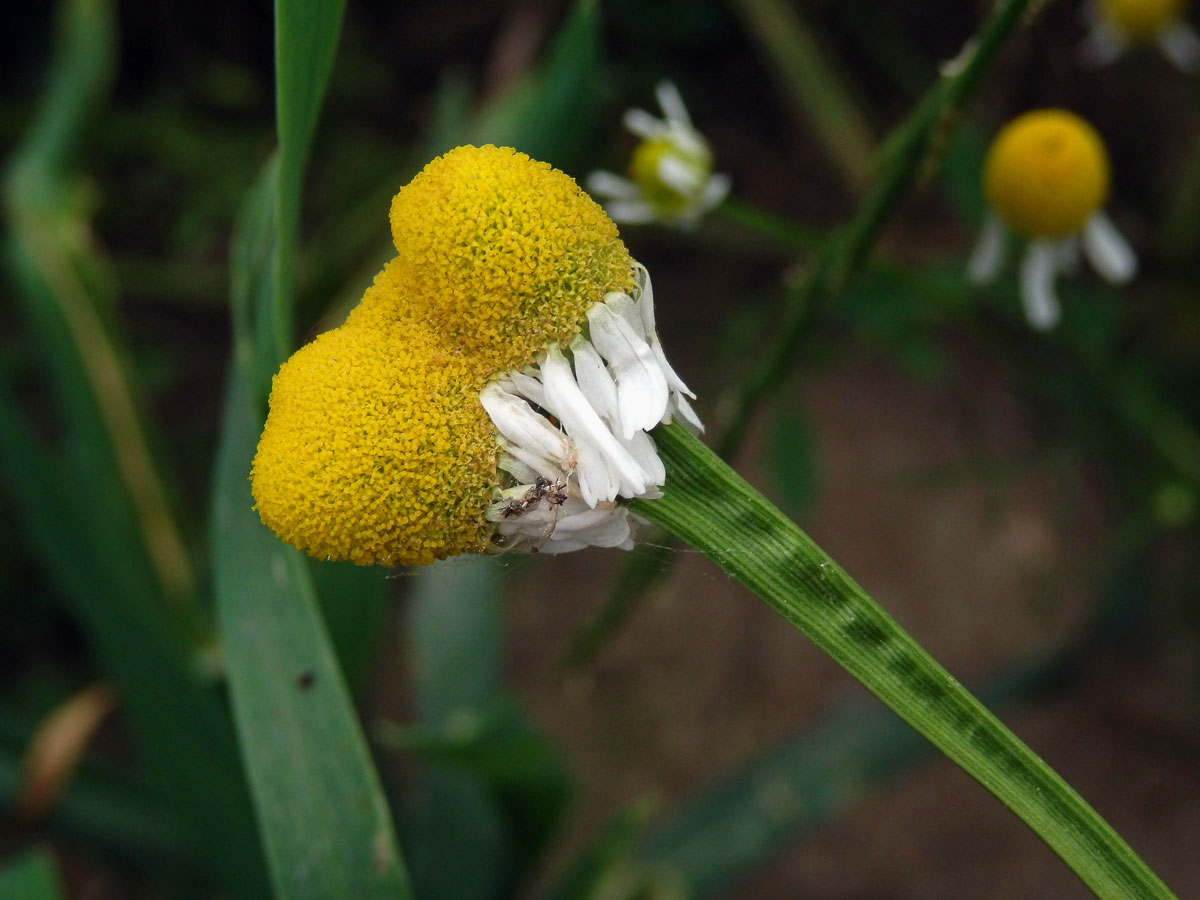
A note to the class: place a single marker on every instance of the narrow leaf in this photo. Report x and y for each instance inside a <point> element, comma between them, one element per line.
<point>322,812</point>
<point>718,513</point>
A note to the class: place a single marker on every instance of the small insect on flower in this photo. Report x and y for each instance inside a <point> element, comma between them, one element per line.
<point>671,178</point>
<point>1117,25</point>
<point>1046,178</point>
<point>493,390</point>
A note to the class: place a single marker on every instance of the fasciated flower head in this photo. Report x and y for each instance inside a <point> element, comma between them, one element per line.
<point>1117,25</point>
<point>1046,177</point>
<point>492,390</point>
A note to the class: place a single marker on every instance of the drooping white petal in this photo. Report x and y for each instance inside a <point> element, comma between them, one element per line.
<point>522,472</point>
<point>1066,254</point>
<point>1102,46</point>
<point>631,212</point>
<point>643,124</point>
<point>641,448</point>
<point>624,306</point>
<point>595,381</point>
<point>516,421</point>
<point>645,307</point>
<point>715,191</point>
<point>642,391</point>
<point>567,402</point>
<point>528,386</point>
<point>988,256</point>
<point>1107,250</point>
<point>690,419</point>
<point>671,103</point>
<point>609,185</point>
<point>1037,285</point>
<point>1181,45</point>
<point>645,294</point>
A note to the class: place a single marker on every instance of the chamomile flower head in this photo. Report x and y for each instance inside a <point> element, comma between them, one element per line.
<point>492,390</point>
<point>1046,178</point>
<point>1116,25</point>
<point>670,178</point>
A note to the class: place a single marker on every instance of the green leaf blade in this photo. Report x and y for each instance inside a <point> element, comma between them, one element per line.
<point>714,510</point>
<point>322,813</point>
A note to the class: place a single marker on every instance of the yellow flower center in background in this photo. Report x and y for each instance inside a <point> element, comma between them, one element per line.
<point>376,448</point>
<point>503,255</point>
<point>643,169</point>
<point>1046,173</point>
<point>1141,21</point>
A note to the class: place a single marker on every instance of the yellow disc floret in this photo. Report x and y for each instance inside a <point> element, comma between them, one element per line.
<point>376,448</point>
<point>1141,21</point>
<point>1046,173</point>
<point>503,255</point>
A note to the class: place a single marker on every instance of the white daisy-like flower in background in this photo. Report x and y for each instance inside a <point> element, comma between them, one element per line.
<point>1115,26</point>
<point>671,178</point>
<point>574,433</point>
<point>1046,178</point>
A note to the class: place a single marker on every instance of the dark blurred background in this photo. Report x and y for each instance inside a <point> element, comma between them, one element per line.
<point>1004,495</point>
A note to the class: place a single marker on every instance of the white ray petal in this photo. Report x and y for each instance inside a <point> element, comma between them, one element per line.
<point>642,391</point>
<point>528,386</point>
<point>1037,285</point>
<point>516,421</point>
<point>671,103</point>
<point>567,402</point>
<point>1181,45</point>
<point>631,212</point>
<point>1107,250</point>
<point>988,255</point>
<point>522,472</point>
<point>715,191</point>
<point>595,381</point>
<point>645,307</point>
<point>1066,254</point>
<point>626,307</point>
<point>1102,46</point>
<point>691,421</point>
<point>641,447</point>
<point>643,124</point>
<point>609,185</point>
<point>679,175</point>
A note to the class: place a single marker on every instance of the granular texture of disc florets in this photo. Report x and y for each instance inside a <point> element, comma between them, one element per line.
<point>376,448</point>
<point>1046,173</point>
<point>503,255</point>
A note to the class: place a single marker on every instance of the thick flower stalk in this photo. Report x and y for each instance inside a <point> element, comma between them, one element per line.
<point>493,389</point>
<point>671,178</point>
<point>1118,25</point>
<point>1046,178</point>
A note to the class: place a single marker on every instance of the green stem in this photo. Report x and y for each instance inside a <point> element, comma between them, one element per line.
<point>906,158</point>
<point>709,506</point>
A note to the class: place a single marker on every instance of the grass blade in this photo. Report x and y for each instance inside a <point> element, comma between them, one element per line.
<point>322,812</point>
<point>323,815</point>
<point>306,40</point>
<point>715,511</point>
<point>31,877</point>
